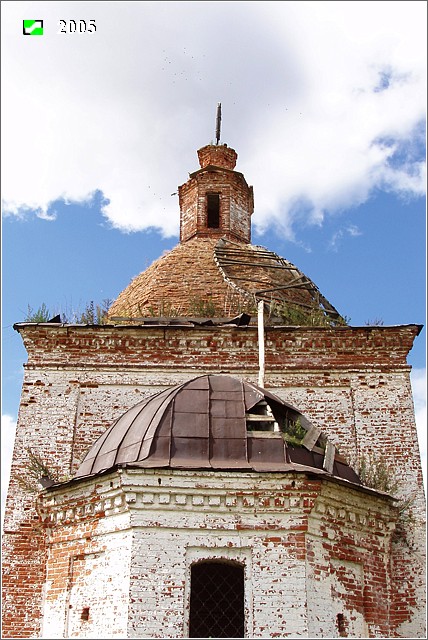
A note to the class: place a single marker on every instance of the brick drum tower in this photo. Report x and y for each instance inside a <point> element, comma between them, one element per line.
<point>219,458</point>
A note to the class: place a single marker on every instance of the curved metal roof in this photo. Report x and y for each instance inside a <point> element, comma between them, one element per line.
<point>215,422</point>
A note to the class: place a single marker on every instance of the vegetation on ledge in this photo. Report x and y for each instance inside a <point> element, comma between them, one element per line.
<point>91,314</point>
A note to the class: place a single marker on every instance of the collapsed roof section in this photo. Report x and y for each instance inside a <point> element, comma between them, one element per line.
<point>260,274</point>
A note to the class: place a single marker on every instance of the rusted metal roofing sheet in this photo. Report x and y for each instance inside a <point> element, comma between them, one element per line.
<point>214,422</point>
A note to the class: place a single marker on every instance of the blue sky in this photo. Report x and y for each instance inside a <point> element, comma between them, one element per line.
<point>325,103</point>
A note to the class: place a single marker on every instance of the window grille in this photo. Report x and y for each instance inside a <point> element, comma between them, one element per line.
<point>216,600</point>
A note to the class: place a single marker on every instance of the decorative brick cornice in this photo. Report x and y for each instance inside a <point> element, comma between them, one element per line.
<point>137,490</point>
<point>145,346</point>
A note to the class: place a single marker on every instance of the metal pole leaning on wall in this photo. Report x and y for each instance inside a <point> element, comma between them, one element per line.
<point>261,340</point>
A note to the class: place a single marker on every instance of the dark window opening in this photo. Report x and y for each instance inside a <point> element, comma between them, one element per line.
<point>85,613</point>
<point>341,625</point>
<point>213,210</point>
<point>216,600</point>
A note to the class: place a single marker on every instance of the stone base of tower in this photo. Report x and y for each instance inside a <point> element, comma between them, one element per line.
<point>352,382</point>
<point>313,555</point>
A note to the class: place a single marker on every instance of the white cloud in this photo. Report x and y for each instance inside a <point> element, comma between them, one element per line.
<point>8,427</point>
<point>419,387</point>
<point>351,230</point>
<point>322,100</point>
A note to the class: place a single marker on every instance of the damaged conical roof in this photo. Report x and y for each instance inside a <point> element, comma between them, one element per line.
<point>215,271</point>
<point>207,277</point>
<point>215,422</point>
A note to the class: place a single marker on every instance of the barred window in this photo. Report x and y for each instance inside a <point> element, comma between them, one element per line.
<point>217,600</point>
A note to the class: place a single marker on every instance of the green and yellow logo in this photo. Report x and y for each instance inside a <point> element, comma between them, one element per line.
<point>32,27</point>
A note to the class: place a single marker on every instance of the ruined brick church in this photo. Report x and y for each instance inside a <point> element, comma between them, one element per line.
<point>203,464</point>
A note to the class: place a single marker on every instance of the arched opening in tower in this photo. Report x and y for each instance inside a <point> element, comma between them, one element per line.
<point>213,210</point>
<point>217,600</point>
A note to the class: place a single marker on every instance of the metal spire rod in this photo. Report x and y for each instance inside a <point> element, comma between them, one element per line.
<point>218,125</point>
